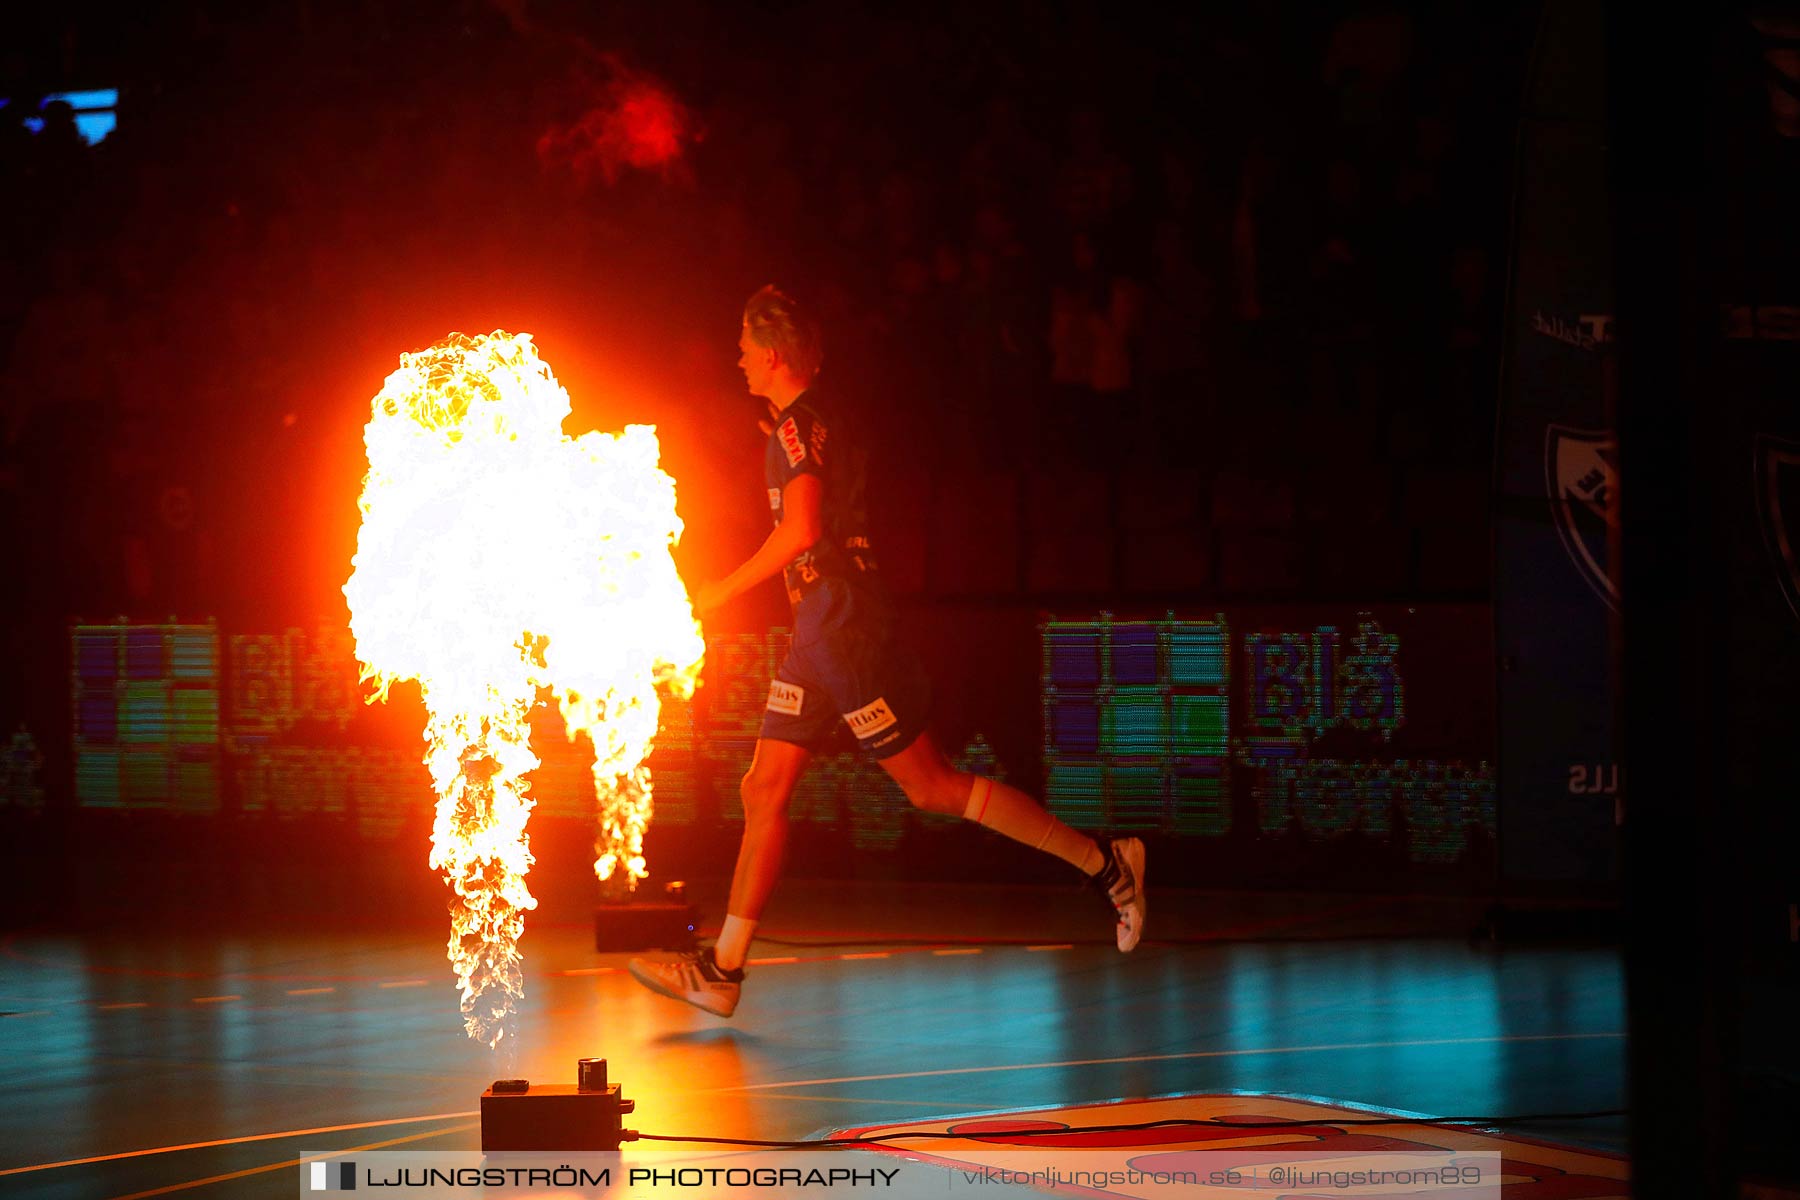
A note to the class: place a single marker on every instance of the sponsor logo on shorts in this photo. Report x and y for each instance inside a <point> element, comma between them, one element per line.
<point>791,444</point>
<point>871,719</point>
<point>785,698</point>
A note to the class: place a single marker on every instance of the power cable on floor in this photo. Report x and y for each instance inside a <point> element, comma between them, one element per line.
<point>1210,1123</point>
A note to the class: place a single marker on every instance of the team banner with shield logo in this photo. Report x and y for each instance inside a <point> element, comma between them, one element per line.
<point>1556,581</point>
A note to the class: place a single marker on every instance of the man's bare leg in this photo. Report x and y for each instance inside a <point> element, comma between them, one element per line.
<point>933,784</point>
<point>766,790</point>
<point>711,977</point>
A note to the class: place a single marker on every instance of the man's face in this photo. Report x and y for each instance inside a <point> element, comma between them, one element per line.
<point>756,362</point>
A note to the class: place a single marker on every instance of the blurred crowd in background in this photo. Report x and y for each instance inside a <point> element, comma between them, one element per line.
<point>1214,293</point>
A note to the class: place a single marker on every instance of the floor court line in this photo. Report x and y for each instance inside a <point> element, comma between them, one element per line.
<point>291,1163</point>
<point>236,1141</point>
<point>1140,1058</point>
<point>940,1105</point>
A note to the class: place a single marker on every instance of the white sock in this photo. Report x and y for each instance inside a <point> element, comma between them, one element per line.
<point>1007,810</point>
<point>733,945</point>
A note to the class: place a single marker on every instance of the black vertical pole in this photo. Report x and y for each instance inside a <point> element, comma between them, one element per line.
<point>1679,959</point>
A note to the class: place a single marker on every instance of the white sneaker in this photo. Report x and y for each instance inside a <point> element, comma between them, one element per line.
<point>695,977</point>
<point>1122,879</point>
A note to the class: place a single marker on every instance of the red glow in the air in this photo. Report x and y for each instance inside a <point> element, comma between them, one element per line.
<point>652,126</point>
<point>636,122</point>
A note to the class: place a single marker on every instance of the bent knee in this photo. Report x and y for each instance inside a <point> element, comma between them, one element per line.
<point>947,793</point>
<point>763,798</point>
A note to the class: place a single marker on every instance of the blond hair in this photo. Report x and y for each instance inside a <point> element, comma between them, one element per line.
<point>777,322</point>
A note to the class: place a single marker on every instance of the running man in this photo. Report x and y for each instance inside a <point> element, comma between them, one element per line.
<point>845,664</point>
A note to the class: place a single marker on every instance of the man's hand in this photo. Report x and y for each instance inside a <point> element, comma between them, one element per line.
<point>710,597</point>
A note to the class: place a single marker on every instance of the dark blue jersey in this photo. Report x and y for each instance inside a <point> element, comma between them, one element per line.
<point>806,441</point>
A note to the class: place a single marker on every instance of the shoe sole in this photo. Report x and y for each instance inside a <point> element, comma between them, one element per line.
<point>655,984</point>
<point>1132,852</point>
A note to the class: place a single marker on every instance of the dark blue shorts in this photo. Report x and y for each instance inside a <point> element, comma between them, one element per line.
<point>846,664</point>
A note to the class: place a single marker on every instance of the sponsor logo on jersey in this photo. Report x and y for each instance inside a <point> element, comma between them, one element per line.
<point>819,434</point>
<point>860,554</point>
<point>775,499</point>
<point>871,719</point>
<point>1778,509</point>
<point>791,445</point>
<point>1581,473</point>
<point>785,698</point>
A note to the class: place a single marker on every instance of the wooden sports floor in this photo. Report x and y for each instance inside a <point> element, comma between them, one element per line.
<point>201,1064</point>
